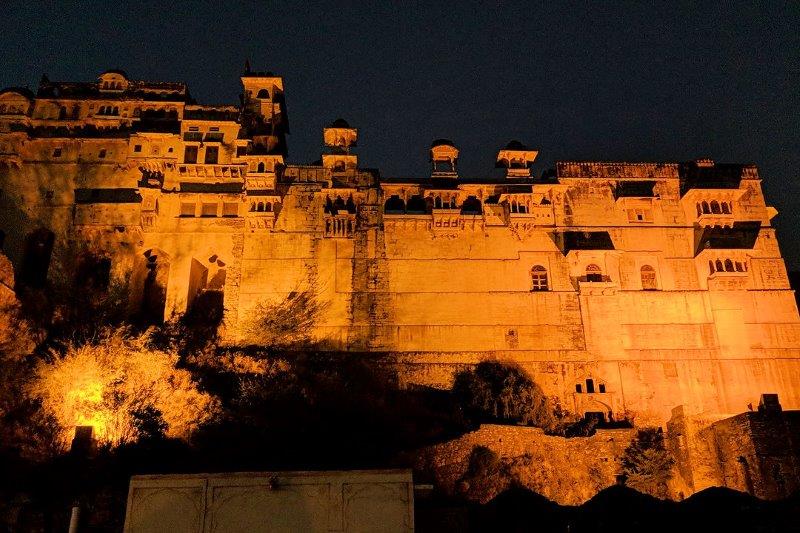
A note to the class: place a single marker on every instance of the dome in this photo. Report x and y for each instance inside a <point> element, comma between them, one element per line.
<point>442,142</point>
<point>339,123</point>
<point>114,71</point>
<point>516,145</point>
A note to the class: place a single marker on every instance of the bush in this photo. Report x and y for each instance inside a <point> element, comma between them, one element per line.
<point>647,464</point>
<point>120,387</point>
<point>497,392</point>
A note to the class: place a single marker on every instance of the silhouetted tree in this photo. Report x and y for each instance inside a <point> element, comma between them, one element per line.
<point>494,391</point>
<point>647,464</point>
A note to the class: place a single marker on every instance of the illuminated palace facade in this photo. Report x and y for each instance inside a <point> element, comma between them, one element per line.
<point>625,289</point>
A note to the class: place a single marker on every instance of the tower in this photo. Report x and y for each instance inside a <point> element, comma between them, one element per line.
<point>517,159</point>
<point>339,137</point>
<point>264,111</point>
<point>444,159</point>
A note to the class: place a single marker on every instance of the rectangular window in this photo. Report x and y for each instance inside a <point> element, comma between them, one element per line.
<point>230,209</point>
<point>193,136</point>
<point>602,388</point>
<point>212,155</point>
<point>578,388</point>
<point>640,215</point>
<point>57,152</point>
<point>208,210</point>
<point>241,150</point>
<point>102,154</point>
<point>137,148</point>
<point>590,386</point>
<point>187,209</point>
<point>190,155</point>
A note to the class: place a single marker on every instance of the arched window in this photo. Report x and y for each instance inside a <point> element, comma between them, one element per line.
<point>62,113</point>
<point>726,208</point>
<point>102,110</point>
<point>739,266</point>
<point>728,265</point>
<point>706,209</point>
<point>471,206</point>
<point>116,111</point>
<point>394,205</point>
<point>648,275</point>
<point>715,207</point>
<point>593,273</point>
<point>263,93</point>
<point>437,202</point>
<point>261,167</point>
<point>260,207</point>
<point>513,206</point>
<point>522,208</point>
<point>710,266</point>
<point>416,205</point>
<point>718,266</point>
<point>699,210</point>
<point>539,278</point>
<point>36,258</point>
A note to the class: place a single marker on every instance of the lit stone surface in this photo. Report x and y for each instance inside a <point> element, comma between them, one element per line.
<point>664,282</point>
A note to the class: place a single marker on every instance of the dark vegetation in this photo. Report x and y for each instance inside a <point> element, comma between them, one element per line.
<point>282,405</point>
<point>617,509</point>
<point>647,464</point>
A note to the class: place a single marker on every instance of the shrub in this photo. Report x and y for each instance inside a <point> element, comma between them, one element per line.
<point>122,388</point>
<point>495,391</point>
<point>647,464</point>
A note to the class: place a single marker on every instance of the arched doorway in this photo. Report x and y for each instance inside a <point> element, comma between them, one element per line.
<point>36,259</point>
<point>154,293</point>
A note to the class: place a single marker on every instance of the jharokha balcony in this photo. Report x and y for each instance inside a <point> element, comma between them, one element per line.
<point>231,171</point>
<point>340,226</point>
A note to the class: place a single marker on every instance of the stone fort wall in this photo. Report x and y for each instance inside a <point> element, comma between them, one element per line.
<point>624,288</point>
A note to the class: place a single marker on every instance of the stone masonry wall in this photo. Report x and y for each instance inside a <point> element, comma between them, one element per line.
<point>567,471</point>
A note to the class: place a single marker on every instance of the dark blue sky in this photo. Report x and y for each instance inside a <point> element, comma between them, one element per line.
<point>598,80</point>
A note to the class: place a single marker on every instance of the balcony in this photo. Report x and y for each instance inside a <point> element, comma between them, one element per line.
<point>340,226</point>
<point>260,220</point>
<point>212,171</point>
<point>728,281</point>
<point>710,220</point>
<point>539,215</point>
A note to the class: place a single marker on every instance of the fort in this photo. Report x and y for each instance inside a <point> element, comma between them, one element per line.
<point>624,289</point>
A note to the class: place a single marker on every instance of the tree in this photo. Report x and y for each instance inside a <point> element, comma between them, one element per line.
<point>494,391</point>
<point>647,464</point>
<point>122,388</point>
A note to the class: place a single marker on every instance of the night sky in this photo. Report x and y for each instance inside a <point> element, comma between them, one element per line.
<point>598,81</point>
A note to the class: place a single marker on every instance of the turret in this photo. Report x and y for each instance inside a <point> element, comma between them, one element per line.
<point>444,158</point>
<point>339,138</point>
<point>517,159</point>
